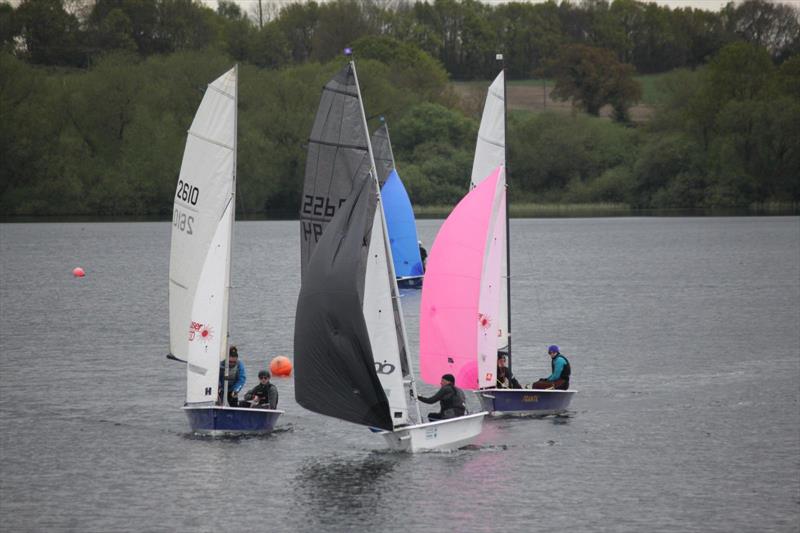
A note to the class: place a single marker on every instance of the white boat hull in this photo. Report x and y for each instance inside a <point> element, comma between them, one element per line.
<point>449,434</point>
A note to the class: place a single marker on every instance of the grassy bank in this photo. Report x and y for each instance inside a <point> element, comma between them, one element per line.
<point>533,210</point>
<point>530,210</point>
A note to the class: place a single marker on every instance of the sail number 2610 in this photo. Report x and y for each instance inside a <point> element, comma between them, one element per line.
<point>182,221</point>
<point>187,192</point>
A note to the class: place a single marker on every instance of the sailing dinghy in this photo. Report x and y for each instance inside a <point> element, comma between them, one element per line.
<point>465,310</point>
<point>350,347</point>
<point>399,214</point>
<point>200,264</point>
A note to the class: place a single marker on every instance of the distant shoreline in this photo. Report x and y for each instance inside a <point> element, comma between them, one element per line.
<point>517,210</point>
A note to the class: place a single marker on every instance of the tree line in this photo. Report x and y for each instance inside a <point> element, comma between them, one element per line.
<point>105,134</point>
<point>464,35</point>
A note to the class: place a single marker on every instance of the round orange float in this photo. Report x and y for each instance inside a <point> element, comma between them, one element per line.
<point>280,366</point>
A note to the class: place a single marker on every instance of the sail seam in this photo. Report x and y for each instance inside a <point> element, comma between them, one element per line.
<point>340,91</point>
<point>493,143</point>
<point>212,141</point>
<point>182,286</point>
<point>220,91</point>
<point>338,145</point>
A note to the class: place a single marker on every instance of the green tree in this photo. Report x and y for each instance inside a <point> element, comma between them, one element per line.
<point>49,34</point>
<point>142,16</point>
<point>592,77</point>
<point>771,25</point>
<point>340,24</point>
<point>298,22</point>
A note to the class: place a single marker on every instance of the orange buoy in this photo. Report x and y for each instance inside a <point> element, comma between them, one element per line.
<point>78,272</point>
<point>280,366</point>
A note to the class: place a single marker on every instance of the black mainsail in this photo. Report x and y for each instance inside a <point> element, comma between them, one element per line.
<point>382,151</point>
<point>334,365</point>
<point>337,160</point>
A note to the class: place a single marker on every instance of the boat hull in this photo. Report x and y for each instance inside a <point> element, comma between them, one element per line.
<point>449,434</point>
<point>219,420</point>
<point>410,282</point>
<point>525,401</point>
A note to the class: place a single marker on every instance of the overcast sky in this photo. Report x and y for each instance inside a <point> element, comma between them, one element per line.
<point>712,5</point>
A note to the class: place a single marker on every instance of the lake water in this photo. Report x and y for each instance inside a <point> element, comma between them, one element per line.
<point>683,334</point>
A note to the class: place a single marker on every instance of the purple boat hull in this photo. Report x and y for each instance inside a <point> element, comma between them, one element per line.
<point>525,401</point>
<point>411,282</point>
<point>217,420</point>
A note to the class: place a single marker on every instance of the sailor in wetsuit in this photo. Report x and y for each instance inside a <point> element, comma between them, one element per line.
<point>560,372</point>
<point>450,398</point>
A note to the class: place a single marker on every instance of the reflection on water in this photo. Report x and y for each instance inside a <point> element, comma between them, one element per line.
<point>352,487</point>
<point>93,437</point>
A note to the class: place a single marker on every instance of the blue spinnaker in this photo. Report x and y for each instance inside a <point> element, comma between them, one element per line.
<point>402,227</point>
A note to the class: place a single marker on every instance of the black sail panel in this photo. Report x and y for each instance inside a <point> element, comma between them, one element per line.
<point>336,162</point>
<point>334,366</point>
<point>382,151</point>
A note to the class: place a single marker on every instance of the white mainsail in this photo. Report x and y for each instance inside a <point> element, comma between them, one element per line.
<point>490,149</point>
<point>202,225</point>
<point>490,153</point>
<point>491,302</point>
<point>380,318</point>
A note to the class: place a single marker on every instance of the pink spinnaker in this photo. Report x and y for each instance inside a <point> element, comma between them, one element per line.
<point>461,294</point>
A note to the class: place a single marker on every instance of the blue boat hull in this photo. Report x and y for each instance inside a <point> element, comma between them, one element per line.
<point>525,401</point>
<point>217,420</point>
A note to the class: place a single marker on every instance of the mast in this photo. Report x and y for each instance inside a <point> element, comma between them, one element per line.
<point>508,216</point>
<point>224,354</point>
<point>389,139</point>
<point>390,259</point>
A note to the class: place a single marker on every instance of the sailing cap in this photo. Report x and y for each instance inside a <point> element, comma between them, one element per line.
<point>450,378</point>
<point>553,349</point>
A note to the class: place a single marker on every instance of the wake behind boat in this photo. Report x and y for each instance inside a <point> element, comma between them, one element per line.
<point>351,351</point>
<point>200,264</point>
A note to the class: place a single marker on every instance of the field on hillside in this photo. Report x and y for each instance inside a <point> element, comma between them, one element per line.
<point>534,95</point>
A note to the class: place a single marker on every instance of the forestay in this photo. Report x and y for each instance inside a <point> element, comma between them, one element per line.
<point>460,305</point>
<point>201,237</point>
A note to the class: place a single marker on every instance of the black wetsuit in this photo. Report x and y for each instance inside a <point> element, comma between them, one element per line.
<point>451,401</point>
